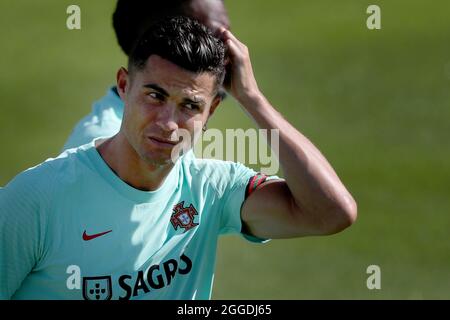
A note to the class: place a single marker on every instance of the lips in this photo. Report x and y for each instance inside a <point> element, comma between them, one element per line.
<point>163,142</point>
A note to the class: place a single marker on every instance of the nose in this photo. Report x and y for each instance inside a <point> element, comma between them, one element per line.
<point>166,119</point>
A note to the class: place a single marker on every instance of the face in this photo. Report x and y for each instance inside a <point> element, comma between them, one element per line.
<point>211,13</point>
<point>160,100</point>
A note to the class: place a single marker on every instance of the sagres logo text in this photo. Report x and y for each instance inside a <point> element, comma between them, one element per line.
<point>127,286</point>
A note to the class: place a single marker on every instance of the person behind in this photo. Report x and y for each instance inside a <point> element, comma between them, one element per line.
<point>125,217</point>
<point>130,20</point>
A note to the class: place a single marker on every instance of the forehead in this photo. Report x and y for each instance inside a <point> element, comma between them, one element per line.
<point>173,78</point>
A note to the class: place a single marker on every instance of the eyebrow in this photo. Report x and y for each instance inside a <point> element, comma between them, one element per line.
<point>157,88</point>
<point>197,101</point>
<point>153,86</point>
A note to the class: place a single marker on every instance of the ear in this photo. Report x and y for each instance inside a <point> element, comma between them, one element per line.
<point>215,103</point>
<point>123,80</point>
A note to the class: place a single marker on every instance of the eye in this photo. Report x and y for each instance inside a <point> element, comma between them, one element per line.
<point>156,96</point>
<point>192,106</point>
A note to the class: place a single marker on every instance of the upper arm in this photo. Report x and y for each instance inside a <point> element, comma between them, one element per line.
<point>271,212</point>
<point>19,235</point>
<point>264,208</point>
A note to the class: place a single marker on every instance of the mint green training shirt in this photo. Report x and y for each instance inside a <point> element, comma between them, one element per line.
<point>104,120</point>
<point>71,229</point>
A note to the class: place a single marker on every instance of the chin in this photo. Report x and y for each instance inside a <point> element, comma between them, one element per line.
<point>158,158</point>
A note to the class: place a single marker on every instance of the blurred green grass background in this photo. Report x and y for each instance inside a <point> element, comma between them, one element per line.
<point>375,102</point>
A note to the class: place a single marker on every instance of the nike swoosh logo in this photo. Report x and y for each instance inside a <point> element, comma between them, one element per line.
<point>87,237</point>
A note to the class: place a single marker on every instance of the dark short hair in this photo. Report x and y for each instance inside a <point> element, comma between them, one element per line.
<point>184,42</point>
<point>131,17</point>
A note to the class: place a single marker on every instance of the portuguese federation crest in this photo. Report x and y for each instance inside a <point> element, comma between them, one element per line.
<point>183,217</point>
<point>97,288</point>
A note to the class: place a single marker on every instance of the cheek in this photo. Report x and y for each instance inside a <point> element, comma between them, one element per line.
<point>143,112</point>
<point>193,122</point>
<point>137,118</point>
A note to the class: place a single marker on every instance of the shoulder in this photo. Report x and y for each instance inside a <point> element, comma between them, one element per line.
<point>39,182</point>
<point>104,120</point>
<point>107,111</point>
<point>218,174</point>
<point>108,108</point>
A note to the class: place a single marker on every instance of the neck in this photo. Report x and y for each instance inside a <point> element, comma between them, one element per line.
<point>121,157</point>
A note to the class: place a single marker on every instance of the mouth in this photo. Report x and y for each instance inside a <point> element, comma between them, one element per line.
<point>163,143</point>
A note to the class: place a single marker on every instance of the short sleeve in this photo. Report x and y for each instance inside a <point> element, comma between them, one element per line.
<point>242,181</point>
<point>20,231</point>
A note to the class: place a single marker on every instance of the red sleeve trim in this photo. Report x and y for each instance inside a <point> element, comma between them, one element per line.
<point>254,182</point>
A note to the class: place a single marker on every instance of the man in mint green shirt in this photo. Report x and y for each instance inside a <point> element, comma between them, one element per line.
<point>128,218</point>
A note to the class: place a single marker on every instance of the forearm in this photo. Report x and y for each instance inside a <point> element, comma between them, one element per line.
<point>314,185</point>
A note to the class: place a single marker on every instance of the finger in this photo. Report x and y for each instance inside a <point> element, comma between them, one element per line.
<point>226,34</point>
<point>234,50</point>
